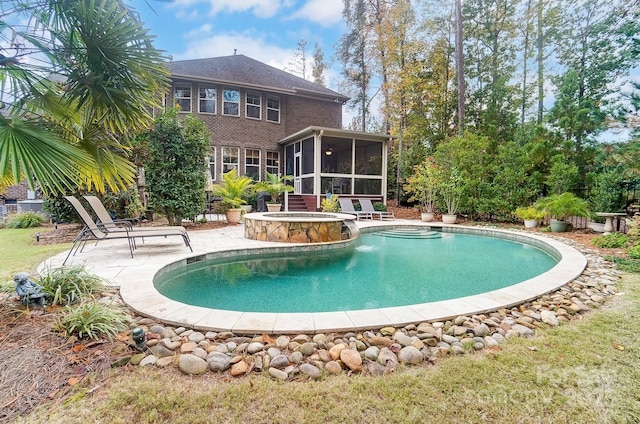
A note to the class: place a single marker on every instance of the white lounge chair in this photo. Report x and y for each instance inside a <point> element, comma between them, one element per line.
<point>367,206</point>
<point>346,205</point>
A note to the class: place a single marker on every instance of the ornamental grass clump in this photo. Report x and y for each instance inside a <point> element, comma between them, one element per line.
<point>69,285</point>
<point>92,320</point>
<point>26,220</point>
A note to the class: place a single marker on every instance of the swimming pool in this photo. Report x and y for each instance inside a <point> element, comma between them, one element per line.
<point>386,269</point>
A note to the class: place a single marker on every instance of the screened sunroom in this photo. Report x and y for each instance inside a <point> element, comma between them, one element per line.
<point>326,161</point>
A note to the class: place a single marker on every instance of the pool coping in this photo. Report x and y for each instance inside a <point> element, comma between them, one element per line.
<point>134,277</point>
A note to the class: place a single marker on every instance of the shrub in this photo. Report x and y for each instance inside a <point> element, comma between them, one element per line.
<point>528,212</point>
<point>379,207</point>
<point>26,220</point>
<point>125,203</point>
<point>634,252</point>
<point>330,204</point>
<point>60,209</point>
<point>91,320</point>
<point>611,241</point>
<point>70,285</point>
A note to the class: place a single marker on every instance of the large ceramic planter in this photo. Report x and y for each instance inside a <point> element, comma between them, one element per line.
<point>233,216</point>
<point>449,219</point>
<point>426,216</point>
<point>530,223</point>
<point>558,226</point>
<point>274,207</point>
<point>246,208</point>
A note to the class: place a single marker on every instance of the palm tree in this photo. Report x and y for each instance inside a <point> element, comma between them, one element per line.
<point>78,81</point>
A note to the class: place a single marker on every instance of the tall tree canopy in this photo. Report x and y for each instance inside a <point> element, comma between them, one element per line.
<point>76,81</point>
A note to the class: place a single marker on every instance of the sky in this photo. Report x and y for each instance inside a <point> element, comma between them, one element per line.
<point>265,30</point>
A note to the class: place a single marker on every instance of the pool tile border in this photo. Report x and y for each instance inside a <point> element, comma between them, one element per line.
<point>135,280</point>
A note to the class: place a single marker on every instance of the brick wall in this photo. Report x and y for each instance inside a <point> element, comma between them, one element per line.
<point>296,113</point>
<point>303,112</point>
<point>17,192</point>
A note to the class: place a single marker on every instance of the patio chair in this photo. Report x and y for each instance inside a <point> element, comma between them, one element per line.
<point>98,232</point>
<point>346,205</point>
<point>120,224</point>
<point>367,206</point>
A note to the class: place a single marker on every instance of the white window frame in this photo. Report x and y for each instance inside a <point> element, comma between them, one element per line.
<point>225,101</point>
<point>176,98</point>
<point>269,108</point>
<point>202,99</point>
<point>210,162</point>
<point>248,165</point>
<point>270,167</point>
<point>228,166</point>
<point>248,105</point>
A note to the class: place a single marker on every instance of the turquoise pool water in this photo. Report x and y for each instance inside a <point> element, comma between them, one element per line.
<point>382,271</point>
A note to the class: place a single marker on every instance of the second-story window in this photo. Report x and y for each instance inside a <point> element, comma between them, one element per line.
<point>273,109</point>
<point>207,103</point>
<point>231,102</point>
<point>182,96</point>
<point>254,105</point>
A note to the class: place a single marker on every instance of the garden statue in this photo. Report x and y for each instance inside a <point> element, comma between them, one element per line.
<point>28,290</point>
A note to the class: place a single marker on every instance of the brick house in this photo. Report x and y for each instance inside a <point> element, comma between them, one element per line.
<point>261,117</point>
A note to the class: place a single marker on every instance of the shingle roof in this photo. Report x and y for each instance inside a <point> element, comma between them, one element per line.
<point>244,71</point>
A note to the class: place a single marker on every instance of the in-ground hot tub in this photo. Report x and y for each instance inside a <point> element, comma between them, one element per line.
<point>300,227</point>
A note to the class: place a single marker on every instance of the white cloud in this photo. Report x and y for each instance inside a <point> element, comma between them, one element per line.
<point>248,44</point>
<point>260,8</point>
<point>323,12</point>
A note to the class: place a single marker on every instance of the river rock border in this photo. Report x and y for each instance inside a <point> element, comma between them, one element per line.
<point>372,352</point>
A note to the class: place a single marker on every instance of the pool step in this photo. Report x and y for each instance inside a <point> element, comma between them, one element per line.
<point>411,233</point>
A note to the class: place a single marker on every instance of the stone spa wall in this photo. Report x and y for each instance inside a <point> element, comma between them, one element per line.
<point>295,227</point>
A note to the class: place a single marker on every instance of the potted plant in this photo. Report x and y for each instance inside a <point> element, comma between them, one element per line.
<point>423,186</point>
<point>275,186</point>
<point>450,188</point>
<point>530,215</point>
<point>560,207</point>
<point>232,190</point>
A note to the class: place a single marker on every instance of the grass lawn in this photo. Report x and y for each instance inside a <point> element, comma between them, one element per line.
<point>582,372</point>
<point>18,252</point>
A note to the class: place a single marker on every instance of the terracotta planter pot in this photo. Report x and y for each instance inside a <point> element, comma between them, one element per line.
<point>233,216</point>
<point>274,207</point>
<point>449,219</point>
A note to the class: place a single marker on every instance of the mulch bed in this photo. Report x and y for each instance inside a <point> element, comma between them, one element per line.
<point>38,366</point>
